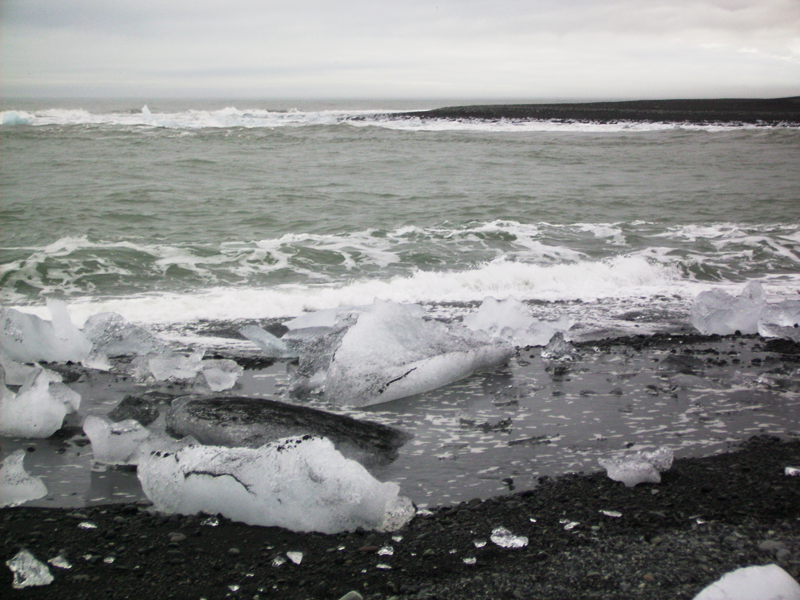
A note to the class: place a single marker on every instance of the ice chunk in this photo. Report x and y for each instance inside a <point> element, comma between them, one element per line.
<point>768,582</point>
<point>16,485</point>
<point>272,346</point>
<point>392,353</point>
<point>220,374</point>
<point>327,318</point>
<point>510,320</point>
<point>36,412</point>
<point>505,539</point>
<point>720,313</point>
<point>792,472</point>
<point>772,330</point>
<point>115,443</point>
<point>111,334</point>
<point>558,349</point>
<point>170,365</point>
<point>301,483</point>
<point>639,467</point>
<point>295,557</point>
<point>27,338</point>
<point>16,373</point>
<point>28,571</point>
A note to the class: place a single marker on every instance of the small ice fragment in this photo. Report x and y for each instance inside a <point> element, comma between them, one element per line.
<point>272,346</point>
<point>700,521</point>
<point>768,582</point>
<point>558,349</point>
<point>16,485</point>
<point>386,551</point>
<point>397,538</point>
<point>234,587</point>
<point>424,512</point>
<point>383,566</point>
<point>115,443</point>
<point>295,557</point>
<point>28,571</point>
<point>221,374</point>
<point>87,525</point>
<point>60,562</point>
<point>570,525</point>
<point>174,366</point>
<point>210,522</point>
<point>109,559</point>
<point>505,539</point>
<point>479,542</point>
<point>792,471</point>
<point>278,561</point>
<point>470,560</point>
<point>453,551</point>
<point>612,513</point>
<point>638,467</point>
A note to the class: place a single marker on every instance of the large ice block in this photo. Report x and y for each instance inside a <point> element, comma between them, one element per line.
<point>719,312</point>
<point>111,334</point>
<point>39,409</point>
<point>27,338</point>
<point>17,486</point>
<point>391,353</point>
<point>511,320</point>
<point>768,582</point>
<point>300,483</point>
<point>639,467</point>
<point>115,443</point>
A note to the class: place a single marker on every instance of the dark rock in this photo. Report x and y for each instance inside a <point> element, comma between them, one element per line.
<point>682,363</point>
<point>138,408</point>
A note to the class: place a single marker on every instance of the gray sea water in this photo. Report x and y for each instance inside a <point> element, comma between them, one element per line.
<point>178,213</point>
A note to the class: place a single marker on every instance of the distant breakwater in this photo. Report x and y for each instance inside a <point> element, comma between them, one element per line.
<point>777,111</point>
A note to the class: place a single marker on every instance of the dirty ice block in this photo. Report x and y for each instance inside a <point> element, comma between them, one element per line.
<point>300,483</point>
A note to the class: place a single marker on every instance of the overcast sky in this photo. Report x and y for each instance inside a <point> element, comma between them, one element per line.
<point>536,49</point>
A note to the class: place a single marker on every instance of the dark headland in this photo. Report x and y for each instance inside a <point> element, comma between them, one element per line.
<point>774,111</point>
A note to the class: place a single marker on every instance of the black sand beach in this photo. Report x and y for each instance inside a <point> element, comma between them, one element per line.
<point>708,516</point>
<point>775,111</point>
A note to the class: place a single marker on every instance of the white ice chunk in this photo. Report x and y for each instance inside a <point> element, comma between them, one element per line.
<point>17,486</point>
<point>720,313</point>
<point>768,582</point>
<point>392,353</point>
<point>27,338</point>
<point>638,467</point>
<point>174,366</point>
<point>28,571</point>
<point>17,373</point>
<point>510,320</point>
<point>221,374</point>
<point>35,412</point>
<point>505,539</point>
<point>272,346</point>
<point>301,483</point>
<point>111,334</point>
<point>558,349</point>
<point>115,443</point>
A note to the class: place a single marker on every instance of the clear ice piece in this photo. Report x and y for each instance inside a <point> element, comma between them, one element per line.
<point>115,443</point>
<point>210,522</point>
<point>386,551</point>
<point>558,349</point>
<point>111,334</point>
<point>28,571</point>
<point>87,525</point>
<point>175,366</point>
<point>479,542</point>
<point>470,560</point>
<point>221,374</point>
<point>272,346</point>
<point>612,513</point>
<point>295,557</point>
<point>718,312</point>
<point>278,561</point>
<point>505,539</point>
<point>60,562</point>
<point>16,485</point>
<point>639,467</point>
<point>510,320</point>
<point>35,412</point>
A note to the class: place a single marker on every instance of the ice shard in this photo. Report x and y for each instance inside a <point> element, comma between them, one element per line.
<point>17,486</point>
<point>28,570</point>
<point>511,320</point>
<point>271,346</point>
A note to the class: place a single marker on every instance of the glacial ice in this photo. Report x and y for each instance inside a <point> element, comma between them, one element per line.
<point>115,443</point>
<point>28,570</point>
<point>300,483</point>
<point>272,346</point>
<point>768,582</point>
<point>220,374</point>
<point>558,349</point>
<point>639,467</point>
<point>111,334</point>
<point>16,373</point>
<point>39,409</point>
<point>17,486</point>
<point>168,365</point>
<point>505,539</point>
<point>391,353</point>
<point>510,320</point>
<point>27,338</point>
<point>716,312</point>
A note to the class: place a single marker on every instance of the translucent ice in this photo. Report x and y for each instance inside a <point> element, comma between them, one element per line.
<point>16,373</point>
<point>27,338</point>
<point>112,334</point>
<point>28,571</point>
<point>505,539</point>
<point>510,320</point>
<point>558,349</point>
<point>768,582</point>
<point>720,313</point>
<point>171,365</point>
<point>391,353</point>
<point>16,485</point>
<point>272,346</point>
<point>301,483</point>
<point>220,374</point>
<point>638,467</point>
<point>115,443</point>
<point>40,407</point>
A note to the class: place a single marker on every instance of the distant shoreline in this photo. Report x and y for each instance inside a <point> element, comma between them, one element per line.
<point>777,111</point>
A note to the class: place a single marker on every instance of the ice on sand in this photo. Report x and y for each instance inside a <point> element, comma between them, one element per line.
<point>720,313</point>
<point>220,374</point>
<point>391,352</point>
<point>39,409</point>
<point>28,571</point>
<point>111,334</point>
<point>510,320</point>
<point>301,483</point>
<point>27,338</point>
<point>558,349</point>
<point>17,486</point>
<point>272,346</point>
<point>639,467</point>
<point>115,443</point>
<point>505,539</point>
<point>768,582</point>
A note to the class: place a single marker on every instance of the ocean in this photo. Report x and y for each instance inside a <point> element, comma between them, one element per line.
<point>180,213</point>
